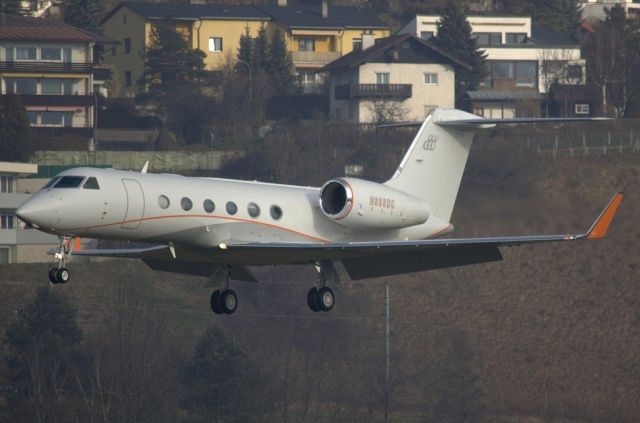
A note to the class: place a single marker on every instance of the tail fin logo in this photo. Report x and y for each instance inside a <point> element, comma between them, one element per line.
<point>430,143</point>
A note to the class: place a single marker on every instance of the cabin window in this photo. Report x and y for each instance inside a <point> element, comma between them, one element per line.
<point>163,202</point>
<point>51,182</point>
<point>186,204</point>
<point>276,212</point>
<point>209,206</point>
<point>232,208</point>
<point>92,183</point>
<point>69,182</point>
<point>253,209</point>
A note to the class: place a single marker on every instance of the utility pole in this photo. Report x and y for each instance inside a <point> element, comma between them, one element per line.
<point>387,354</point>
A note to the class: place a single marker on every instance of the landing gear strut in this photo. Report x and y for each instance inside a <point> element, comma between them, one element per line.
<point>224,300</point>
<point>60,274</point>
<point>322,298</point>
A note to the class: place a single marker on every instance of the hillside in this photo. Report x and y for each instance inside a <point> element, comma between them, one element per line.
<point>550,331</point>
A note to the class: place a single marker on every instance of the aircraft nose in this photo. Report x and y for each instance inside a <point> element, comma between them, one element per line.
<point>32,212</point>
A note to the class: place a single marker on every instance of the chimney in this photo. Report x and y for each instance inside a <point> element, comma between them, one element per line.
<point>367,40</point>
<point>282,3</point>
<point>325,8</point>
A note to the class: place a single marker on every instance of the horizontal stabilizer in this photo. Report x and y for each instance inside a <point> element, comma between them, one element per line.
<point>484,123</point>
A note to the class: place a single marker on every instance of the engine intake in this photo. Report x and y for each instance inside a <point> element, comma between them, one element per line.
<point>336,199</point>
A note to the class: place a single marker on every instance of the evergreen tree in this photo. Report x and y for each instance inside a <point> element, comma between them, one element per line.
<point>245,50</point>
<point>454,37</point>
<point>260,46</point>
<point>169,62</point>
<point>279,65</point>
<point>85,14</point>
<point>15,142</point>
<point>42,345</point>
<point>560,15</point>
<point>222,383</point>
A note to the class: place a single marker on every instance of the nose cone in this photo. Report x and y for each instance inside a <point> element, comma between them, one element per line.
<point>33,212</point>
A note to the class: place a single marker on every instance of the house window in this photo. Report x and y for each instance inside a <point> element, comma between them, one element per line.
<point>574,73</point>
<point>382,77</point>
<point>357,44</point>
<point>526,74</point>
<point>425,35</point>
<point>307,77</point>
<point>515,37</point>
<point>51,53</point>
<point>582,109</point>
<point>124,19</point>
<point>55,86</point>
<point>488,38</point>
<point>430,78</point>
<point>6,183</point>
<point>52,118</point>
<point>306,44</point>
<point>21,85</point>
<point>215,44</point>
<point>25,53</point>
<point>503,70</point>
<point>6,221</point>
<point>127,78</point>
<point>127,45</point>
<point>33,117</point>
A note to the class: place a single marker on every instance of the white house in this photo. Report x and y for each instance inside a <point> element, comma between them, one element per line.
<point>524,60</point>
<point>595,9</point>
<point>391,79</point>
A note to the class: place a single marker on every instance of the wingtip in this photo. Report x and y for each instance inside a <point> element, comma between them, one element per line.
<point>600,227</point>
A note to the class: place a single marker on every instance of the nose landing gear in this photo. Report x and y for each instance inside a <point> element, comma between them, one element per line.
<point>60,274</point>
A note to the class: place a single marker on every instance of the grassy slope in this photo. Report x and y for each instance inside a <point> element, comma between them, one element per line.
<point>554,320</point>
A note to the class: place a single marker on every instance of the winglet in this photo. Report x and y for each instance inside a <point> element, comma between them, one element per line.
<point>601,225</point>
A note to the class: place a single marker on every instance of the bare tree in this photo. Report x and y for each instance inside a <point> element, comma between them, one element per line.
<point>386,111</point>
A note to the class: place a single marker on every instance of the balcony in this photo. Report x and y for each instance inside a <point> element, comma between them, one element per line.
<point>57,100</point>
<point>52,67</point>
<point>375,91</point>
<point>314,58</point>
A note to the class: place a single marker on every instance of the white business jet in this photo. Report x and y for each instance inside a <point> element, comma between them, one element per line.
<point>217,227</point>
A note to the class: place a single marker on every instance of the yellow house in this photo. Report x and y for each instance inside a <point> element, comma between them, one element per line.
<point>316,35</point>
<point>214,29</point>
<point>321,33</point>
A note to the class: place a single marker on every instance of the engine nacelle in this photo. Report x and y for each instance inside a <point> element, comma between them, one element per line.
<point>363,204</point>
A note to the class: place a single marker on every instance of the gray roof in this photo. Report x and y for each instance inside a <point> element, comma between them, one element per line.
<point>504,95</point>
<point>192,11</point>
<point>311,17</point>
<point>541,34</point>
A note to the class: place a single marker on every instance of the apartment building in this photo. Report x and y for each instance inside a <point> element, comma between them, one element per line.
<point>397,78</point>
<point>524,58</point>
<point>17,243</point>
<point>50,65</point>
<point>316,35</point>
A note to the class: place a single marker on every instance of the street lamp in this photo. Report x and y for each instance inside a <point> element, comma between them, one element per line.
<point>250,83</point>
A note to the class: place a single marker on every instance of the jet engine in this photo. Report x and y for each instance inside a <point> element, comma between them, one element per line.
<point>368,205</point>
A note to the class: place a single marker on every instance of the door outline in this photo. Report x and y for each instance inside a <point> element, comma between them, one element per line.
<point>135,204</point>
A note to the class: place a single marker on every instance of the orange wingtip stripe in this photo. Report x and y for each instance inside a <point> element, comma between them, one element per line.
<point>601,226</point>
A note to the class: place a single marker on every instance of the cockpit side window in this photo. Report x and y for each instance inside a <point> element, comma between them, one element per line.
<point>51,182</point>
<point>69,182</point>
<point>92,183</point>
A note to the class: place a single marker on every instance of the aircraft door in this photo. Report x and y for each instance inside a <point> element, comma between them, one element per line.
<point>135,204</point>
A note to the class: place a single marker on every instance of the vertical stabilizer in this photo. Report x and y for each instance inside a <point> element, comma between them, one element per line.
<point>433,166</point>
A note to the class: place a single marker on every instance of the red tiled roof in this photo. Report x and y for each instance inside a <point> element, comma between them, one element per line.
<point>19,28</point>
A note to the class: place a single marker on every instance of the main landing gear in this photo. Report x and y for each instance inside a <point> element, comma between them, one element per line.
<point>322,298</point>
<point>60,274</point>
<point>224,300</point>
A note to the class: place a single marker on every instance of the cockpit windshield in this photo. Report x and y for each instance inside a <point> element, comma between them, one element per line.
<point>92,183</point>
<point>51,182</point>
<point>69,182</point>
